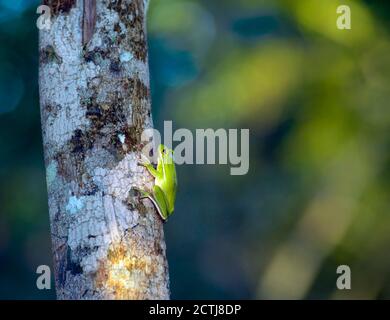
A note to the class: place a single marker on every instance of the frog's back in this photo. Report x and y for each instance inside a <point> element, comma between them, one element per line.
<point>172,193</point>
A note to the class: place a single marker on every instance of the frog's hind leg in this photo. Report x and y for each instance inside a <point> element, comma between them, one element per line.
<point>162,203</point>
<point>143,194</point>
<point>146,195</point>
<point>157,197</point>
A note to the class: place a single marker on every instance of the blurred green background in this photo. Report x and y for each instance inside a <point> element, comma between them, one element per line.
<point>316,101</point>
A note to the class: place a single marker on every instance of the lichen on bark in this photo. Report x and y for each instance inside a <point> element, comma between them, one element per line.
<point>95,103</point>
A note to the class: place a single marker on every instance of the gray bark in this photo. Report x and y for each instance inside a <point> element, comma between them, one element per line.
<point>95,103</point>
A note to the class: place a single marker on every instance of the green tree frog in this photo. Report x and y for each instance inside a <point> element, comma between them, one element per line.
<point>163,195</point>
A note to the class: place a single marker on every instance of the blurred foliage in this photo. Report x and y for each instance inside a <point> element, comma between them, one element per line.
<point>316,101</point>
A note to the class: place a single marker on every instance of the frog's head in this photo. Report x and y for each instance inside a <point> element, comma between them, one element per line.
<point>165,154</point>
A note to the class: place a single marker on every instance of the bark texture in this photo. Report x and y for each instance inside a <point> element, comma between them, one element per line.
<point>95,103</point>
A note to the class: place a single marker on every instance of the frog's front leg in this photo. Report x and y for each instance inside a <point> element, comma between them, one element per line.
<point>151,169</point>
<point>148,165</point>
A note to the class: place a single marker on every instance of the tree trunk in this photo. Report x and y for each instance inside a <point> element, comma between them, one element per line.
<point>95,103</point>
